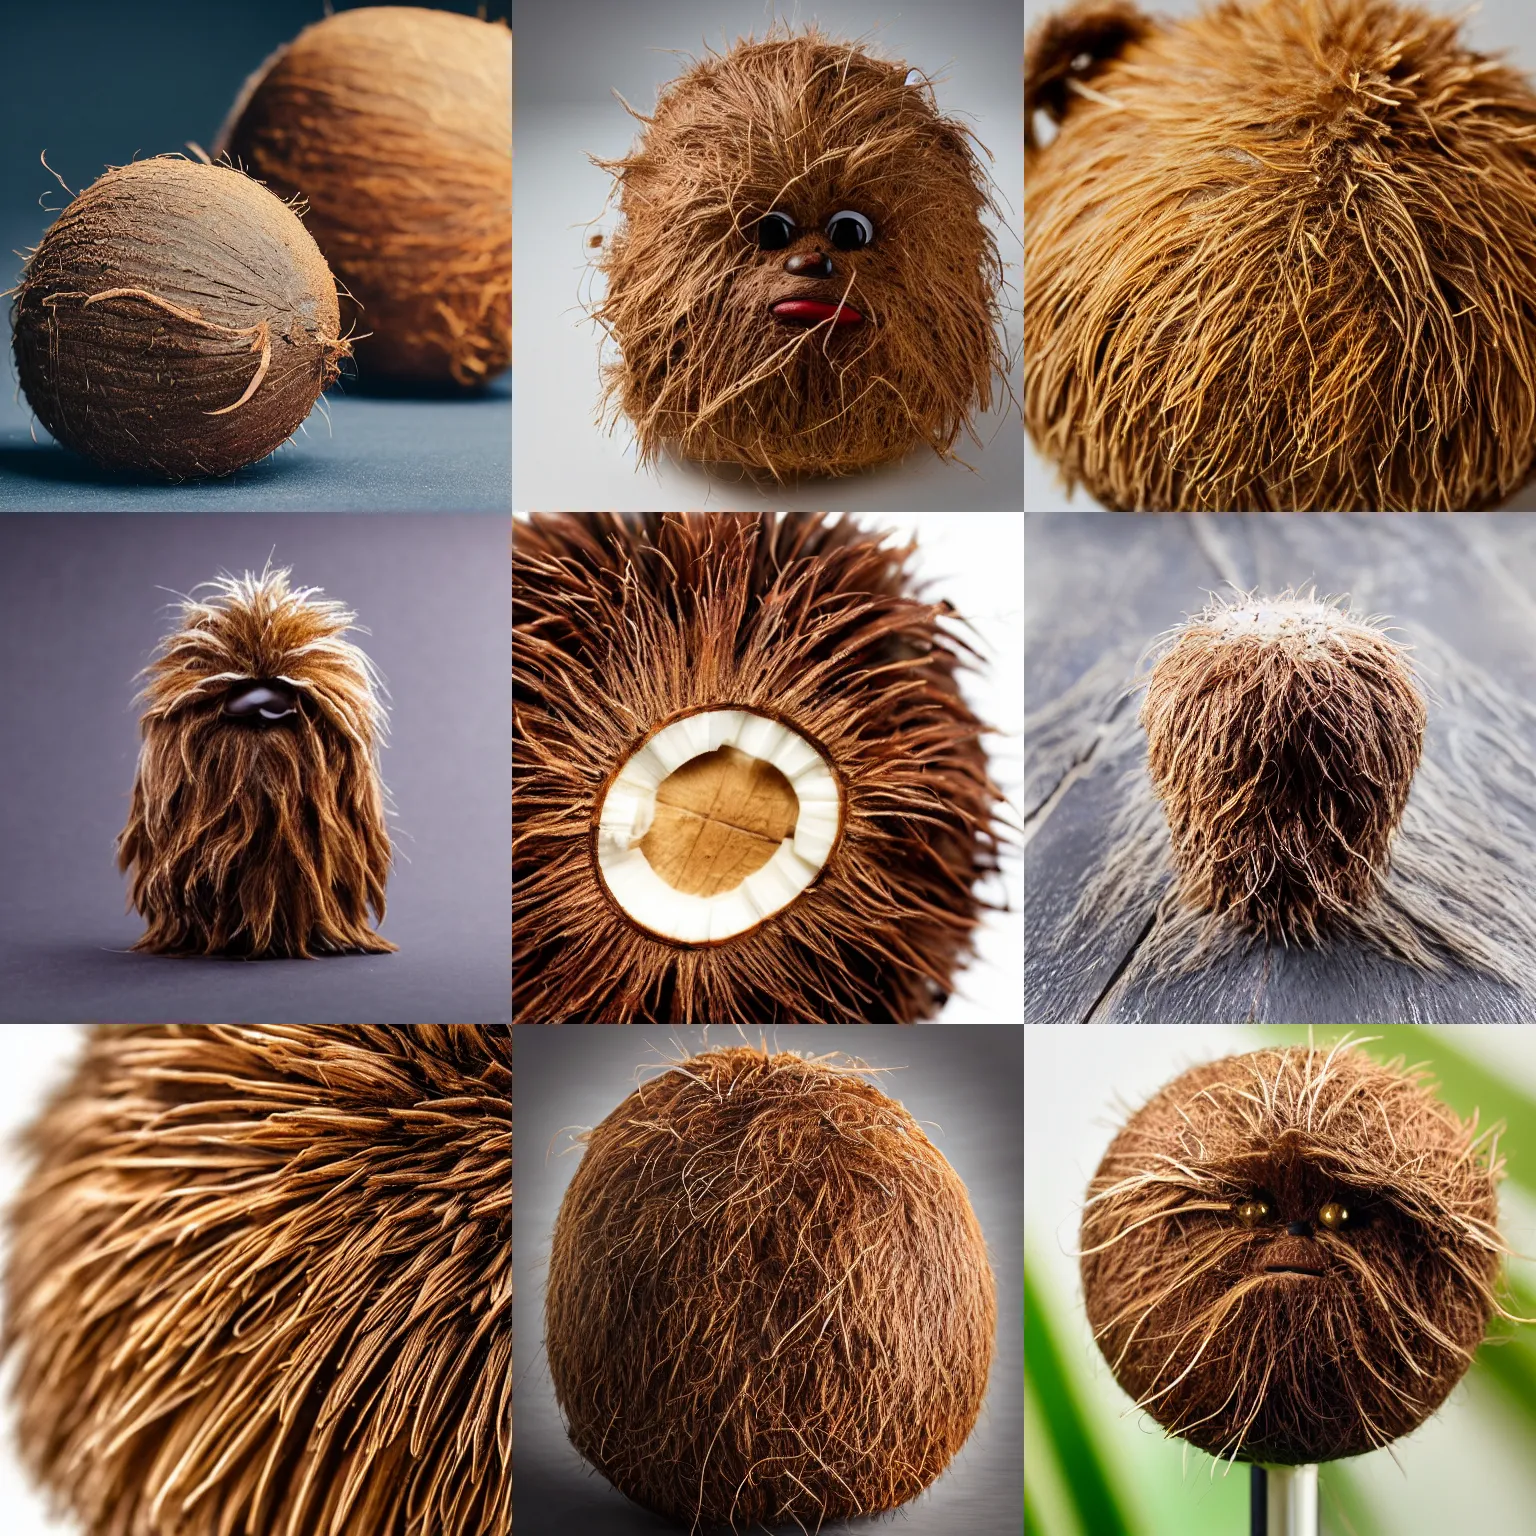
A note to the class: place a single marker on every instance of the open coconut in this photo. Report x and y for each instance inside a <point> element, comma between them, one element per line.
<point>176,320</point>
<point>395,126</point>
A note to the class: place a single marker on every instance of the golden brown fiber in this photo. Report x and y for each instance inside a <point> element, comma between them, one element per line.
<point>623,623</point>
<point>769,1298</point>
<point>1280,255</point>
<point>176,320</point>
<point>1290,1256</point>
<point>394,124</point>
<point>261,1281</point>
<point>257,821</point>
<point>808,127</point>
<point>1282,738</point>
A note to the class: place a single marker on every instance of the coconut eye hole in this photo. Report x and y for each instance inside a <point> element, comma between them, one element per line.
<point>1252,1211</point>
<point>849,231</point>
<point>774,231</point>
<point>1333,1216</point>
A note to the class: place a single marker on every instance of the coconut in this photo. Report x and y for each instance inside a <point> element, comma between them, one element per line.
<point>1290,1256</point>
<point>260,1279</point>
<point>394,124</point>
<point>769,1299</point>
<point>1280,254</point>
<point>1282,737</point>
<point>743,773</point>
<point>176,320</point>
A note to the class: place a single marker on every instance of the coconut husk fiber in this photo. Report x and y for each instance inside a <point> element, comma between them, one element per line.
<point>257,823</point>
<point>260,1280</point>
<point>1279,255</point>
<point>176,321</point>
<point>623,623</point>
<point>1290,1256</point>
<point>904,355</point>
<point>394,124</point>
<point>769,1299</point>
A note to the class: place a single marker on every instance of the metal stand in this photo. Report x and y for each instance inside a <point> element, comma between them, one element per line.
<point>1282,1501</point>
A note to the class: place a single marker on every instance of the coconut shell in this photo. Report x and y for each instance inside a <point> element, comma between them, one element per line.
<point>768,1298</point>
<point>394,125</point>
<point>1244,1314</point>
<point>176,320</point>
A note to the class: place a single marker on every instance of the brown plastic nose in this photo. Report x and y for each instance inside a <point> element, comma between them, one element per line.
<point>809,264</point>
<point>1299,1229</point>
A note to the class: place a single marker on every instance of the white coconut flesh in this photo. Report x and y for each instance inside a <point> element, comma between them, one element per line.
<point>717,822</point>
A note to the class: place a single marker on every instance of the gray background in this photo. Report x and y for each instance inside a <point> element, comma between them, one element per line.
<point>83,601</point>
<point>571,57</point>
<point>964,1084</point>
<point>1496,26</point>
<point>94,83</point>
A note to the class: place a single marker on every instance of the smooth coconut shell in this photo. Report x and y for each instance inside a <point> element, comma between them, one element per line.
<point>394,125</point>
<point>769,1298</point>
<point>260,1280</point>
<point>1285,1339</point>
<point>176,320</point>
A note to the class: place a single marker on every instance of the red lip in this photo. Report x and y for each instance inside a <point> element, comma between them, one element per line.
<point>814,312</point>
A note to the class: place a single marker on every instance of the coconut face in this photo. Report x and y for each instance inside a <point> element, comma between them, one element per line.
<point>257,823</point>
<point>769,1298</point>
<point>394,125</point>
<point>1266,253</point>
<point>802,282</point>
<point>1282,739</point>
<point>1290,1256</point>
<point>176,320</point>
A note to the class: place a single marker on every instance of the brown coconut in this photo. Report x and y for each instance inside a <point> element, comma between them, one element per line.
<point>1290,1256</point>
<point>1279,255</point>
<point>394,124</point>
<point>1282,738</point>
<point>769,1299</point>
<point>175,320</point>
<point>886,348</point>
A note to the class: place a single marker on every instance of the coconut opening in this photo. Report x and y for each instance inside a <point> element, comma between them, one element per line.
<point>716,822</point>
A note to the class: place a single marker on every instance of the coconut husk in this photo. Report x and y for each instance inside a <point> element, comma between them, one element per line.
<point>252,836</point>
<point>260,1279</point>
<point>1279,255</point>
<point>176,320</point>
<point>623,623</point>
<point>1276,1335</point>
<point>394,124</point>
<point>769,1298</point>
<point>809,125</point>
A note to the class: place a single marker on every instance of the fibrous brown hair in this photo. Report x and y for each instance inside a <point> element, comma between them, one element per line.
<point>809,126</point>
<point>622,623</point>
<point>176,320</point>
<point>394,124</point>
<point>1280,254</point>
<point>1241,1314</point>
<point>249,837</point>
<point>769,1298</point>
<point>1282,737</point>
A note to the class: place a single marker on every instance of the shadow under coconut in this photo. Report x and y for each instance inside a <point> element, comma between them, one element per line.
<point>50,463</point>
<point>367,388</point>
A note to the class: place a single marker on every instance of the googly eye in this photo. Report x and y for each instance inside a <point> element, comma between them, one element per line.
<point>850,231</point>
<point>1333,1216</point>
<point>774,231</point>
<point>1251,1212</point>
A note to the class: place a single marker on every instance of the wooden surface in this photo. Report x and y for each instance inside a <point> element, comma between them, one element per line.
<point>1100,589</point>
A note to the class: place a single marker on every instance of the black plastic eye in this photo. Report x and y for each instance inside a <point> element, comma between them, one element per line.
<point>849,231</point>
<point>263,703</point>
<point>774,231</point>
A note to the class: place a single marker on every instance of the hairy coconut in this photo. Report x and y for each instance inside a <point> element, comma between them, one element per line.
<point>769,1298</point>
<point>260,1280</point>
<point>1282,738</point>
<point>394,124</point>
<point>829,877</point>
<point>802,282</point>
<point>1290,1256</point>
<point>257,824</point>
<point>176,320</point>
<point>1280,254</point>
